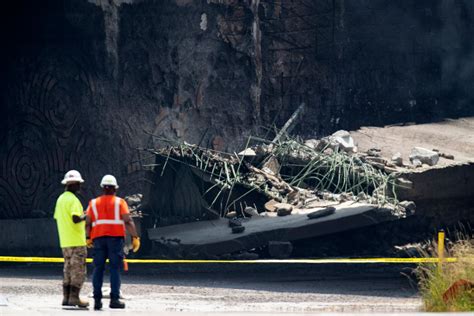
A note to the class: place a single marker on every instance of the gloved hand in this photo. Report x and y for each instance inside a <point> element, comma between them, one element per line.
<point>135,244</point>
<point>89,243</point>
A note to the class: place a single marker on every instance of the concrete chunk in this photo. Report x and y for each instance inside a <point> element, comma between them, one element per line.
<point>234,222</point>
<point>424,155</point>
<point>397,159</point>
<point>311,143</point>
<point>345,141</point>
<point>249,152</point>
<point>250,211</point>
<point>283,209</point>
<point>321,213</point>
<point>340,140</point>
<point>410,206</point>
<point>416,163</point>
<point>271,166</point>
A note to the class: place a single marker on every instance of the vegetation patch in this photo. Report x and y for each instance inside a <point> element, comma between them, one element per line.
<point>451,287</point>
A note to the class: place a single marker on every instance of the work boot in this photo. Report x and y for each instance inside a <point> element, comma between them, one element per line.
<point>74,299</point>
<point>97,304</point>
<point>116,303</point>
<point>66,291</point>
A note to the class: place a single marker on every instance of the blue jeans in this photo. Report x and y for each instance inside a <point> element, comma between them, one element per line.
<point>111,248</point>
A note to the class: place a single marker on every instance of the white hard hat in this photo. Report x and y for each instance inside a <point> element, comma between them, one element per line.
<point>72,176</point>
<point>109,180</point>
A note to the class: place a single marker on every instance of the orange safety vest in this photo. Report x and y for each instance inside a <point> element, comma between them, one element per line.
<point>105,213</point>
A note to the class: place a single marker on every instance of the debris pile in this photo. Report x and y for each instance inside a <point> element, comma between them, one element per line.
<point>280,178</point>
<point>419,156</point>
<point>312,193</point>
<point>134,203</point>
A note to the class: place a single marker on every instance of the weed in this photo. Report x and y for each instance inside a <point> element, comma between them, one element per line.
<point>435,282</point>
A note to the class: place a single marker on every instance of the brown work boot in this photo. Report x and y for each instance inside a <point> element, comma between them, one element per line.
<point>74,299</point>
<point>66,291</point>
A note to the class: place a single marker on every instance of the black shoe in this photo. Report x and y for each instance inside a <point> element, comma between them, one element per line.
<point>97,304</point>
<point>116,303</point>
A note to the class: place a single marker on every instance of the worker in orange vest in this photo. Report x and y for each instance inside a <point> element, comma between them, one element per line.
<point>107,219</point>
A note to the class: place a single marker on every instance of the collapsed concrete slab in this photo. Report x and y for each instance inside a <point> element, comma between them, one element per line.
<point>443,193</point>
<point>314,176</point>
<point>213,238</point>
<point>283,179</point>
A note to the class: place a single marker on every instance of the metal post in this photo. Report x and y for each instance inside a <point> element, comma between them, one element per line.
<point>440,250</point>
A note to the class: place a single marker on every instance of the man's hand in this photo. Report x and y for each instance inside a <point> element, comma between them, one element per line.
<point>135,244</point>
<point>77,219</point>
<point>89,243</point>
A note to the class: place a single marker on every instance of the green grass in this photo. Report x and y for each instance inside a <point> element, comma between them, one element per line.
<point>433,282</point>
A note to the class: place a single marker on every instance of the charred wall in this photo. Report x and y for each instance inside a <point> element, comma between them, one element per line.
<point>85,82</point>
<point>366,62</point>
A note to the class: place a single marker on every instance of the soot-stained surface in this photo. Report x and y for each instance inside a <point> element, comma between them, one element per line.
<point>85,82</point>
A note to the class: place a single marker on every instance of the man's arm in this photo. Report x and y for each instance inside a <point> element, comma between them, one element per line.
<point>77,219</point>
<point>77,212</point>
<point>88,221</point>
<point>88,226</point>
<point>130,225</point>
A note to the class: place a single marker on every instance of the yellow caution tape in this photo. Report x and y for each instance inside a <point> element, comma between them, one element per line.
<point>308,261</point>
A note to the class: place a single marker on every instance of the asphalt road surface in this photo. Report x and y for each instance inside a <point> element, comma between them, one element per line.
<point>203,289</point>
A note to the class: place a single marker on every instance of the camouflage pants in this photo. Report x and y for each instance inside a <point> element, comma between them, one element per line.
<point>74,266</point>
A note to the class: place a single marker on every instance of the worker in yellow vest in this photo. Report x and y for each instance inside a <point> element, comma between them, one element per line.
<point>107,218</point>
<point>70,219</point>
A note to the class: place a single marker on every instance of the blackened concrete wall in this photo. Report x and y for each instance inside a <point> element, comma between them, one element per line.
<point>366,62</point>
<point>29,237</point>
<point>85,82</point>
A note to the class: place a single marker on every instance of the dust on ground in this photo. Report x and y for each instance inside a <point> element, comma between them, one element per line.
<point>272,288</point>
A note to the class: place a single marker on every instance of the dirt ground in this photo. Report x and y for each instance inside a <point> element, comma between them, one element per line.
<point>210,289</point>
<point>454,137</point>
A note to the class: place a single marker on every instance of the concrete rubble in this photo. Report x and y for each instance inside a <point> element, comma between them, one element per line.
<point>134,202</point>
<point>294,189</point>
<point>340,140</point>
<point>397,159</point>
<point>423,155</point>
<point>314,183</point>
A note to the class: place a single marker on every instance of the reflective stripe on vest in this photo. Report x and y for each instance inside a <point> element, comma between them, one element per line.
<point>116,221</point>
